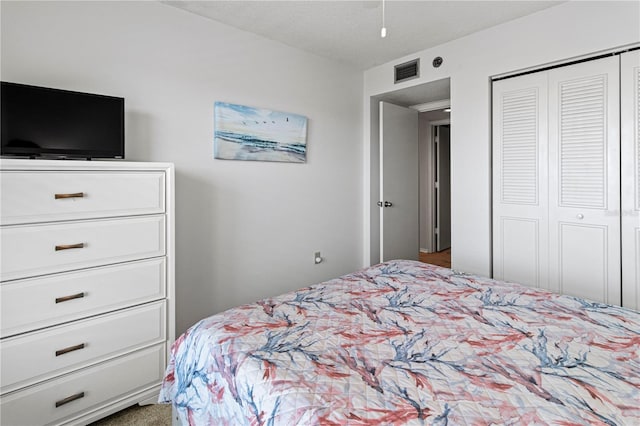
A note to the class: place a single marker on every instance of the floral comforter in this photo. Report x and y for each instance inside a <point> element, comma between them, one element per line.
<point>409,343</point>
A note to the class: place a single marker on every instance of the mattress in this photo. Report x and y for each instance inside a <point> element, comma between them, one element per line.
<point>409,343</point>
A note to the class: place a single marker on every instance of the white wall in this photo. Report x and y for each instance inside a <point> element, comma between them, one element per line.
<point>425,149</point>
<point>245,230</point>
<point>564,31</point>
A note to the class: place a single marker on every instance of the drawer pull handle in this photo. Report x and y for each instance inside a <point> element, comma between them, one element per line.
<point>69,399</point>
<point>70,349</point>
<point>74,195</point>
<point>69,246</point>
<point>71,297</point>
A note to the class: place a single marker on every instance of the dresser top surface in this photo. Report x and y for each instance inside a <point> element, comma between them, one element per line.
<point>35,165</point>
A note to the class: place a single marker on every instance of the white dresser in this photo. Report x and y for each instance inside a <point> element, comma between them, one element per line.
<point>86,287</point>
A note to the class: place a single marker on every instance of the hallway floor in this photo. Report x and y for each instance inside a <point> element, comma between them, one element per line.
<point>440,258</point>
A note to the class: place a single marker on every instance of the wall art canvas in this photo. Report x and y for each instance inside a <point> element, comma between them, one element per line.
<point>246,133</point>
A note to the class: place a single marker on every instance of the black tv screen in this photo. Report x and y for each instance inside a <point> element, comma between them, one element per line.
<point>52,123</point>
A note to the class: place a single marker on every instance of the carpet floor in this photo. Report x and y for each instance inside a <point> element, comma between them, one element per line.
<point>136,415</point>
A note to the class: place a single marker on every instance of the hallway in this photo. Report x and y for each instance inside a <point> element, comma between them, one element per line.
<point>440,258</point>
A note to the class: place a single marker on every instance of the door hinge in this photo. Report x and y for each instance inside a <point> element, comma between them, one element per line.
<point>437,231</point>
<point>436,185</point>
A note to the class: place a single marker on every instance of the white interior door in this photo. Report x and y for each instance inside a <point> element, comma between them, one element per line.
<point>584,180</point>
<point>630,163</point>
<point>399,173</point>
<point>443,188</point>
<point>520,163</point>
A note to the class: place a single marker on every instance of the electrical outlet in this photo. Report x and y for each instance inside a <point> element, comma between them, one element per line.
<point>317,258</point>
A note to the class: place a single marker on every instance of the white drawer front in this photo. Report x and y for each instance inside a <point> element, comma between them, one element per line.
<point>38,356</point>
<point>92,388</point>
<point>32,250</point>
<point>29,197</point>
<point>34,303</point>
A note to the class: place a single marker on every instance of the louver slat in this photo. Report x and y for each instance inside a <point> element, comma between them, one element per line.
<point>520,147</point>
<point>583,161</point>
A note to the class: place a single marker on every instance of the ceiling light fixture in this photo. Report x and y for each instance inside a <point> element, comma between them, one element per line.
<point>383,31</point>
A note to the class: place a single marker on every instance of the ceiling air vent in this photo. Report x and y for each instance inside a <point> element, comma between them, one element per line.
<point>407,71</point>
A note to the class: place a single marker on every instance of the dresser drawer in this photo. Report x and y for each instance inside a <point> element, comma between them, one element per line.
<point>83,391</point>
<point>58,350</point>
<point>35,303</point>
<point>29,197</point>
<point>31,250</point>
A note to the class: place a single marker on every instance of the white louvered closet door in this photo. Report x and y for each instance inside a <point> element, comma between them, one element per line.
<point>630,156</point>
<point>519,180</point>
<point>584,180</point>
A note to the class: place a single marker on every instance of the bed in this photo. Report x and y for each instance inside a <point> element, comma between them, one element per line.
<point>405,342</point>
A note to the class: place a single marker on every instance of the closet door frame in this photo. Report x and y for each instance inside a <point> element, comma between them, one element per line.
<point>630,172</point>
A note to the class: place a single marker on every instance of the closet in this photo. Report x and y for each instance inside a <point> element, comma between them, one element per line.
<point>566,181</point>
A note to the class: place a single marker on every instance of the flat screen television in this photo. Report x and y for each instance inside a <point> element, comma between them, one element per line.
<point>53,123</point>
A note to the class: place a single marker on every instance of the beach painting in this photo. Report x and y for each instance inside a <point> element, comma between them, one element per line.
<point>254,134</point>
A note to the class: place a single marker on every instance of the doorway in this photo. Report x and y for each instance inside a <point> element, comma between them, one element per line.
<point>435,242</point>
<point>430,100</point>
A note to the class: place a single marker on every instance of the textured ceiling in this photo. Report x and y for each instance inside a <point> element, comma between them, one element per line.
<point>349,31</point>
